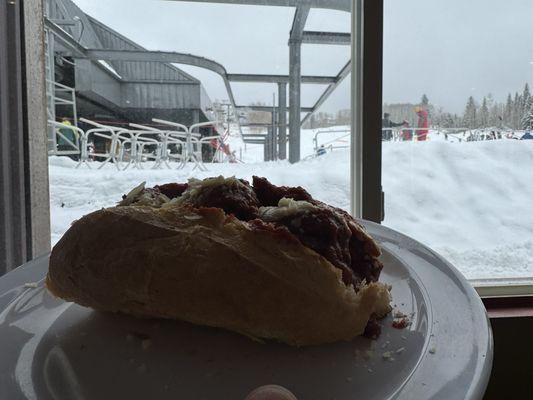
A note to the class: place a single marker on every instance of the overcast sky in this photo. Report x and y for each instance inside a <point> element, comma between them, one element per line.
<point>451,49</point>
<point>448,49</point>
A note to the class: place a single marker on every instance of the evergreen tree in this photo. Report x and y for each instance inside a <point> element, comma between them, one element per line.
<point>447,120</point>
<point>526,96</point>
<point>483,116</point>
<point>508,111</point>
<point>470,114</point>
<point>527,118</point>
<point>496,115</point>
<point>424,102</point>
<point>524,106</point>
<point>343,117</point>
<point>516,115</point>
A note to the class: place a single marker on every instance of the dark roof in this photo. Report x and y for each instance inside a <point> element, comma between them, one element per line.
<point>96,35</point>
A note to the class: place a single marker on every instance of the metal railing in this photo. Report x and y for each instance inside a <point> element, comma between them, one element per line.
<point>458,134</point>
<point>60,142</point>
<point>330,144</point>
<point>402,134</point>
<point>125,147</point>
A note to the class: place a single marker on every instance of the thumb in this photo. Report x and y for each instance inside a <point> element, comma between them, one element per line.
<point>270,392</point>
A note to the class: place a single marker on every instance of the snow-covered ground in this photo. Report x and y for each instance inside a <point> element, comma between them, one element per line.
<point>468,201</point>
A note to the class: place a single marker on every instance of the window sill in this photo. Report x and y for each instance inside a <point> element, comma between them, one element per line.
<point>506,298</point>
<point>509,307</point>
<point>503,287</point>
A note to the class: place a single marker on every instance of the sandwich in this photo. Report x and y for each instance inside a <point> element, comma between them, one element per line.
<point>269,262</point>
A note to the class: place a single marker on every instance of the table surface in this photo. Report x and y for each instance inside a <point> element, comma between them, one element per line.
<point>457,359</point>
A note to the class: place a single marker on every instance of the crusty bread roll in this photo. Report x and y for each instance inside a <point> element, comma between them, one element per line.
<point>201,265</point>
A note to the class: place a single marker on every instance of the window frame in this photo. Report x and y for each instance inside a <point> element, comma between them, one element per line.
<point>24,192</point>
<point>366,166</point>
<point>367,77</point>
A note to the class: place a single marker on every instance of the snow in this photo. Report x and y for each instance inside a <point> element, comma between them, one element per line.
<point>468,201</point>
<point>110,68</point>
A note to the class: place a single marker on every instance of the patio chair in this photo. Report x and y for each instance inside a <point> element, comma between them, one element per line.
<point>111,134</point>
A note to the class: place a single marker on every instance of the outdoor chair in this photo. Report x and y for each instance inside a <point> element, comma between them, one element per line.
<point>111,136</point>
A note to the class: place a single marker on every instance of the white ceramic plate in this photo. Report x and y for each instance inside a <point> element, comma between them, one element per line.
<point>55,350</point>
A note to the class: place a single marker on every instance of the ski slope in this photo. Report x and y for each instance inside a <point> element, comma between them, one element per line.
<point>469,201</point>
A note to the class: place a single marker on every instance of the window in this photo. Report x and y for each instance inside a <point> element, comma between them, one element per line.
<point>456,159</point>
<point>236,68</point>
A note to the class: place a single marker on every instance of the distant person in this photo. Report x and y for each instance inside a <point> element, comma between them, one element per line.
<point>66,137</point>
<point>321,150</point>
<point>407,133</point>
<point>386,125</point>
<point>526,136</point>
<point>421,134</point>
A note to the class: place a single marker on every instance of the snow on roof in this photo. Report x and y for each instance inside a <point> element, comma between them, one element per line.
<point>110,68</point>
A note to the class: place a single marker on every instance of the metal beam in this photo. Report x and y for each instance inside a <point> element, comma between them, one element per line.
<point>319,80</point>
<point>64,39</point>
<point>159,56</point>
<point>335,38</point>
<point>323,97</point>
<point>298,22</point>
<point>268,108</point>
<point>341,5</point>
<point>274,132</point>
<point>295,109</point>
<point>63,22</point>
<point>254,141</point>
<point>295,81</point>
<point>282,120</point>
<point>166,57</point>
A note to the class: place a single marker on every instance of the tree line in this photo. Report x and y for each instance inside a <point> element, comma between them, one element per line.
<point>515,113</point>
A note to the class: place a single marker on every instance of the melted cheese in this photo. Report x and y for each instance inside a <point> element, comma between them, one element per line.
<point>286,207</point>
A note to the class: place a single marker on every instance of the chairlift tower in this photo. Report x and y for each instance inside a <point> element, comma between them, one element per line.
<point>127,51</point>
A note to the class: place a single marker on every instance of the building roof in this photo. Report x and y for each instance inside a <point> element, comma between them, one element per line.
<point>93,34</point>
<point>122,85</point>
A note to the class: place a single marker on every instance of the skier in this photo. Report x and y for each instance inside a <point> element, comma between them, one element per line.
<point>387,124</point>
<point>321,150</point>
<point>421,134</point>
<point>407,134</point>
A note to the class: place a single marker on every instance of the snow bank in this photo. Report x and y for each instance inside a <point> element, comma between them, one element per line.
<point>468,201</point>
<point>74,192</point>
